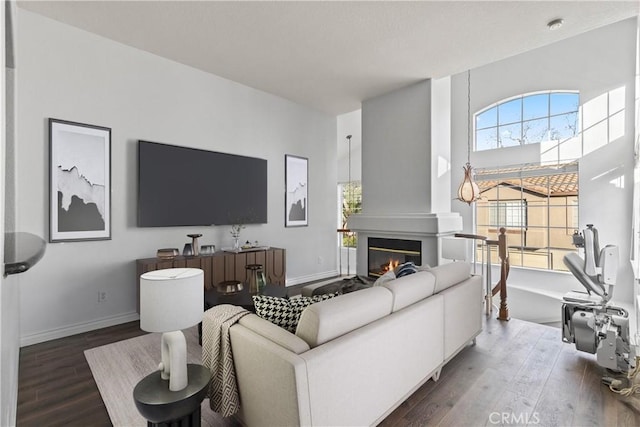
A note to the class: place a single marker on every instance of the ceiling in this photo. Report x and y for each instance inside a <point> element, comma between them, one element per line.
<point>332,55</point>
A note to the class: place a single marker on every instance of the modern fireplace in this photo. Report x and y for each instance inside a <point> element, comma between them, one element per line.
<point>385,254</point>
<point>426,228</point>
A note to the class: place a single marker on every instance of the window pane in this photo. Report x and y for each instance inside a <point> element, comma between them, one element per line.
<point>539,226</point>
<point>486,139</point>
<point>515,214</point>
<point>487,118</point>
<point>564,126</point>
<point>538,258</point>
<point>510,112</point>
<point>564,103</point>
<point>510,135</point>
<point>482,216</point>
<point>535,131</point>
<point>536,237</point>
<point>535,106</point>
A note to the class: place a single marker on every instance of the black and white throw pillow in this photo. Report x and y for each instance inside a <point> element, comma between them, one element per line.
<point>285,312</point>
<point>405,269</point>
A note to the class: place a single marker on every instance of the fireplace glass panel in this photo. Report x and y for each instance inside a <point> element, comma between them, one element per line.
<point>386,254</point>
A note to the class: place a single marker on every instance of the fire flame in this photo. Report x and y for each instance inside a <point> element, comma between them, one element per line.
<point>392,264</point>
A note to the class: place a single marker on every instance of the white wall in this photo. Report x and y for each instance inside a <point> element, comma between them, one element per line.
<point>593,63</point>
<point>396,155</point>
<point>407,149</point>
<point>440,191</point>
<point>70,74</point>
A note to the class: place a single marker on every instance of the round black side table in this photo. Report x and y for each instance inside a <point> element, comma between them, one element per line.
<point>161,406</point>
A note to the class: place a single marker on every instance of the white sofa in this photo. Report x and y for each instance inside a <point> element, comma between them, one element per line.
<point>356,357</point>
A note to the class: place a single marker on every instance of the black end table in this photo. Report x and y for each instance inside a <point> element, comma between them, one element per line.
<point>161,406</point>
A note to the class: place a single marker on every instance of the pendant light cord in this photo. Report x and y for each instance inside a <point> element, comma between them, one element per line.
<point>468,116</point>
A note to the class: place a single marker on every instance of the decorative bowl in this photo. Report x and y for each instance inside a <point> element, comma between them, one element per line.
<point>207,249</point>
<point>229,287</point>
<point>168,253</point>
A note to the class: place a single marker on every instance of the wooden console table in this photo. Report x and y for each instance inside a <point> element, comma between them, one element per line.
<point>222,266</point>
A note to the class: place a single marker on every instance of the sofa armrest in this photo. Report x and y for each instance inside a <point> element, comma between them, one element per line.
<point>462,314</point>
<point>272,381</point>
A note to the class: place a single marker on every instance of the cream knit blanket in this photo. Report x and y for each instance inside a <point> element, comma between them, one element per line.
<point>216,355</point>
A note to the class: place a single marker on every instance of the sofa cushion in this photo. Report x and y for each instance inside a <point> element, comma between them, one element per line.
<point>284,312</point>
<point>449,274</point>
<point>409,289</point>
<point>330,319</point>
<point>274,333</point>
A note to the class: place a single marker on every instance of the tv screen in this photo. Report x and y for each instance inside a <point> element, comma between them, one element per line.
<point>179,186</point>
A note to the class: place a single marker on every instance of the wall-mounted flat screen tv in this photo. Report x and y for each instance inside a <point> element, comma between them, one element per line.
<point>180,186</point>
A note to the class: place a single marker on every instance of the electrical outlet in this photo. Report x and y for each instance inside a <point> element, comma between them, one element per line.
<point>102,296</point>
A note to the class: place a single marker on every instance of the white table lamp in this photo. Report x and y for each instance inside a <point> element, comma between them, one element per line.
<point>172,300</point>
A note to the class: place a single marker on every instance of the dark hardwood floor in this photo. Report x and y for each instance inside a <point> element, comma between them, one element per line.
<point>518,373</point>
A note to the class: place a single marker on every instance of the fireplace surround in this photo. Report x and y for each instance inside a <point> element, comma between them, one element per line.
<point>427,228</point>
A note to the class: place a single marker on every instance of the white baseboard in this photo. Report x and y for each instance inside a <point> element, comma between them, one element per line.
<point>311,278</point>
<point>77,329</point>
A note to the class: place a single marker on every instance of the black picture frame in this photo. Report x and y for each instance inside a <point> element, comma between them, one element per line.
<point>79,181</point>
<point>296,184</point>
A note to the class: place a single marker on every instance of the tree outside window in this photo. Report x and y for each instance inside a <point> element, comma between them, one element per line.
<point>351,194</point>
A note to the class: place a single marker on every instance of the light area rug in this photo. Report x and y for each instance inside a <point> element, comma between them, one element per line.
<point>118,367</point>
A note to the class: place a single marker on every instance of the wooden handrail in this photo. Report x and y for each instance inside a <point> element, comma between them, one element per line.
<point>470,236</point>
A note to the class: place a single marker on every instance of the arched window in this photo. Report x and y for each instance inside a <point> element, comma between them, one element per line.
<point>527,119</point>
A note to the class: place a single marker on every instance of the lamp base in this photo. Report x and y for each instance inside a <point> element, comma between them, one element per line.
<point>174,360</point>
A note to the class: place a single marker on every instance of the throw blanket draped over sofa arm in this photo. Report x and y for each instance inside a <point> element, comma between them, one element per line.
<point>217,357</point>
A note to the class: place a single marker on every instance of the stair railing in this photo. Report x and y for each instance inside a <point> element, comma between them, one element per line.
<point>501,286</point>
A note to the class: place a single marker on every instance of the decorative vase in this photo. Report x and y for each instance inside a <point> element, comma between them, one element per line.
<point>236,243</point>
<point>187,250</point>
